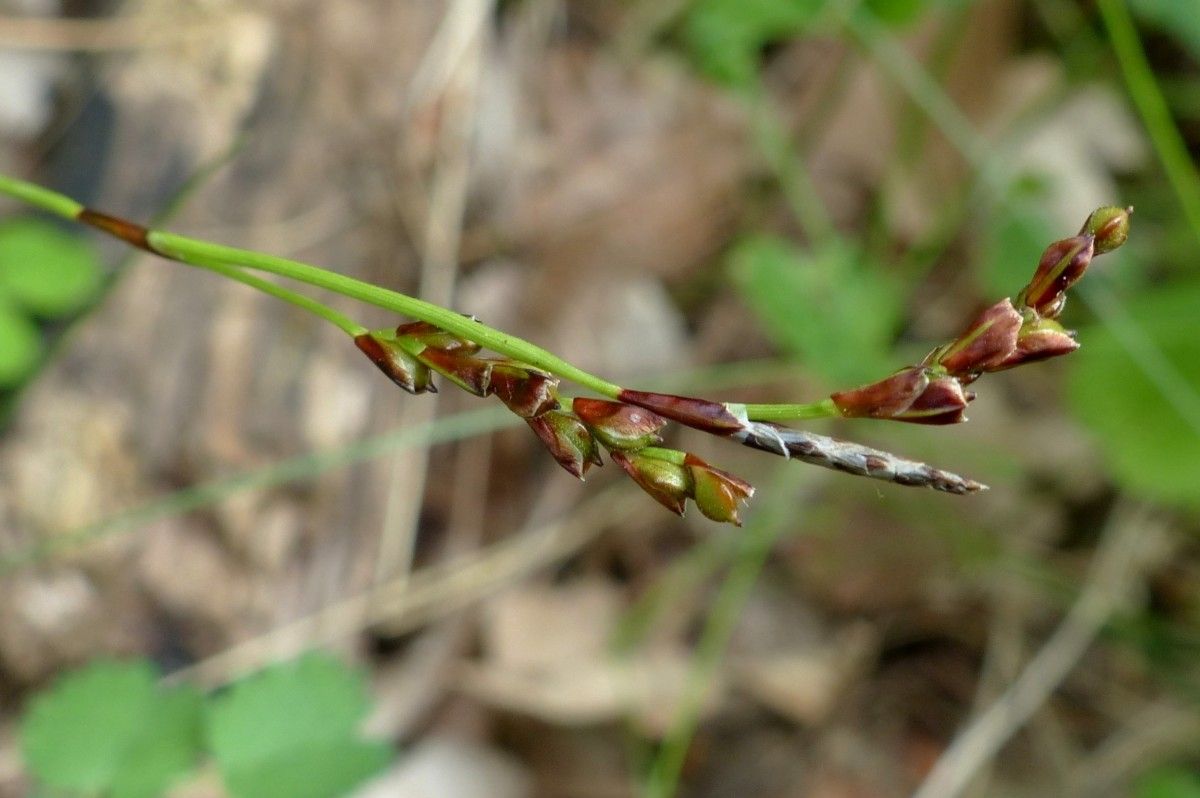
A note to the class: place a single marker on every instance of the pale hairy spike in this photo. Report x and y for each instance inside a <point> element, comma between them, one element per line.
<point>853,458</point>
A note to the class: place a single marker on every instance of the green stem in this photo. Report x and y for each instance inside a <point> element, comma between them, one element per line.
<point>38,197</point>
<point>191,250</point>
<point>232,262</point>
<point>217,257</point>
<point>822,409</point>
<point>343,322</point>
<point>1156,115</point>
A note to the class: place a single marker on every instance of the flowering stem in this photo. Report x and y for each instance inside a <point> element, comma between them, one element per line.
<point>217,257</point>
<point>445,342</point>
<point>233,263</point>
<point>189,249</point>
<point>343,322</point>
<point>44,198</point>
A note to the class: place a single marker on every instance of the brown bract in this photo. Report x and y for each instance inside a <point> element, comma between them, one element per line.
<point>400,367</point>
<point>129,232</point>
<point>618,425</point>
<point>1060,267</point>
<point>991,339</point>
<point>701,414</point>
<point>917,394</point>
<point>460,367</point>
<point>433,337</point>
<point>1040,339</point>
<point>525,391</point>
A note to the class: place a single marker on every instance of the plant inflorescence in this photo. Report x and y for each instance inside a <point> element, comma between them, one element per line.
<point>627,423</point>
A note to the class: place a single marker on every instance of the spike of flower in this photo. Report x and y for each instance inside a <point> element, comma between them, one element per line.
<point>568,440</point>
<point>700,414</point>
<point>1110,227</point>
<point>392,359</point>
<point>852,458</point>
<point>991,339</point>
<point>618,425</point>
<point>717,493</point>
<point>669,483</point>
<point>917,394</point>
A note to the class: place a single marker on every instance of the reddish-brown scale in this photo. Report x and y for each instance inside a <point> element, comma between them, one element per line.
<point>620,426</point>
<point>1044,344</point>
<point>701,414</point>
<point>1060,267</point>
<point>874,463</point>
<point>990,339</point>
<point>942,402</point>
<point>884,399</point>
<point>436,338</point>
<point>374,350</point>
<point>381,357</point>
<point>129,232</point>
<point>469,373</point>
<point>526,393</point>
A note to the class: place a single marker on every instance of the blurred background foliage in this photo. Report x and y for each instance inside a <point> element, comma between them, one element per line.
<point>759,200</point>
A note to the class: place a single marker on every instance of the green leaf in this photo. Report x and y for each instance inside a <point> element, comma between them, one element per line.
<point>1168,782</point>
<point>297,718</point>
<point>20,345</point>
<point>896,12</point>
<point>168,747</point>
<point>1150,440</point>
<point>725,37</point>
<point>318,770</point>
<point>1174,18</point>
<point>829,307</point>
<point>46,269</point>
<point>109,728</point>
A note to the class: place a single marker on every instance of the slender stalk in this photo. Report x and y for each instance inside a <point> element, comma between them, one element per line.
<point>198,252</point>
<point>203,254</point>
<point>38,197</point>
<point>670,455</point>
<point>791,412</point>
<point>1156,115</point>
<point>339,320</point>
<point>233,263</point>
<point>59,336</point>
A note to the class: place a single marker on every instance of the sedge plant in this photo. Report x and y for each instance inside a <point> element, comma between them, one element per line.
<point>628,423</point>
